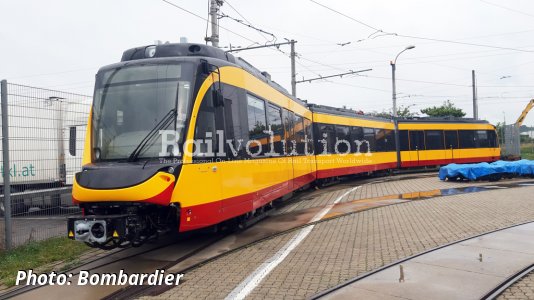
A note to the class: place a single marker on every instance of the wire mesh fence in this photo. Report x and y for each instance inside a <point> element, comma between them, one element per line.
<point>511,147</point>
<point>45,136</point>
<point>527,143</point>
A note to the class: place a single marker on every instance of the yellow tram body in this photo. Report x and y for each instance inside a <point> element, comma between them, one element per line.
<point>303,143</point>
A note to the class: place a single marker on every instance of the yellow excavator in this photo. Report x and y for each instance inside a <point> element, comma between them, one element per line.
<point>524,114</point>
<point>512,149</point>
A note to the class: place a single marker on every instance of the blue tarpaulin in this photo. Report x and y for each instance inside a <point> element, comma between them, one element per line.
<point>484,170</point>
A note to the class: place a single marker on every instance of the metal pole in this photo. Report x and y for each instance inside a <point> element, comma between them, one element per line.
<point>214,9</point>
<point>394,90</point>
<point>395,119</point>
<point>293,71</point>
<point>5,157</point>
<point>475,105</point>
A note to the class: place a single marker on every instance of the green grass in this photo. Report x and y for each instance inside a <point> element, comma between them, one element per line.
<point>527,151</point>
<point>37,255</point>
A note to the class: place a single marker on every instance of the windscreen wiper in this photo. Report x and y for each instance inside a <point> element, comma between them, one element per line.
<point>165,121</point>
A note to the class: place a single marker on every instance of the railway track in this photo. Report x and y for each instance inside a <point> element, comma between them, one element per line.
<point>185,260</point>
<point>491,295</point>
<point>123,257</point>
<point>10,293</point>
<point>503,286</point>
<point>134,292</point>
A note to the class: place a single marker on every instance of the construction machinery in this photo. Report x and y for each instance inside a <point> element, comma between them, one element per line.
<point>512,138</point>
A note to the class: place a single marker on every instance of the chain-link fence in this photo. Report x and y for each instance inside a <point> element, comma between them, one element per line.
<point>45,135</point>
<point>511,147</point>
<point>527,143</point>
<point>517,142</point>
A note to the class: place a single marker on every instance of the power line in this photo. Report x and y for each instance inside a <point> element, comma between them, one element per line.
<point>331,76</point>
<point>320,63</point>
<point>234,9</point>
<point>346,16</point>
<point>507,8</point>
<point>204,19</point>
<point>507,86</point>
<point>384,33</point>
<point>274,38</point>
<point>417,61</point>
<point>259,47</point>
<point>358,86</point>
<point>461,43</point>
<point>418,81</point>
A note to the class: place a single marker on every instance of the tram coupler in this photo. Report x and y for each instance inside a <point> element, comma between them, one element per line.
<point>98,230</point>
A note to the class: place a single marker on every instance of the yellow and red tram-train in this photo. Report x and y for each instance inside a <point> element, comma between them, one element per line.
<point>186,136</point>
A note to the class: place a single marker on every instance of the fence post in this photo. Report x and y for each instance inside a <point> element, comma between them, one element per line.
<point>5,156</point>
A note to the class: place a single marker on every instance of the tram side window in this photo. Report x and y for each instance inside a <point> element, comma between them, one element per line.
<point>234,128</point>
<point>390,140</point>
<point>434,140</point>
<point>309,135</point>
<point>482,139</point>
<point>369,136</point>
<point>287,118</point>
<point>205,127</point>
<point>451,139</point>
<point>342,135</point>
<point>467,139</point>
<point>404,140</point>
<point>275,125</point>
<point>299,134</point>
<point>417,140</point>
<point>356,137</point>
<point>326,132</point>
<point>492,138</point>
<point>385,140</point>
<point>257,124</point>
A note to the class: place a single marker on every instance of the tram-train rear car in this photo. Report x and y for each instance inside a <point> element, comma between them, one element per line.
<point>431,142</point>
<point>185,136</point>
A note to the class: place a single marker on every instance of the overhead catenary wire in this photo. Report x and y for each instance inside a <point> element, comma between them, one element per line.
<point>385,33</point>
<point>273,40</point>
<point>375,33</point>
<point>332,76</point>
<point>244,18</point>
<point>204,19</point>
<point>508,8</point>
<point>346,16</point>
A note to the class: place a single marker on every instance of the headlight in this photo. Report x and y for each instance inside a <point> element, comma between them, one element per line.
<point>97,153</point>
<point>150,51</point>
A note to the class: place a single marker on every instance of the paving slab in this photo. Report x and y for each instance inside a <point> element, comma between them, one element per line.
<point>454,272</point>
<point>350,245</point>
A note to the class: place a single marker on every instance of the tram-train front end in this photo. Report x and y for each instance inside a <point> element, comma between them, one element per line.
<point>127,179</point>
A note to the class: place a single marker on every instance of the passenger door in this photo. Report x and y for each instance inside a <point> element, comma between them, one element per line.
<point>417,147</point>
<point>206,164</point>
<point>275,124</point>
<point>451,144</point>
<point>288,117</point>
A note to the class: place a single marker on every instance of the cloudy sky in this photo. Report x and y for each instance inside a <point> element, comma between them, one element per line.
<point>60,44</point>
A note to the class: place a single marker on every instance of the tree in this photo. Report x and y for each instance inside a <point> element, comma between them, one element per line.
<point>402,112</point>
<point>446,110</point>
<point>500,132</point>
